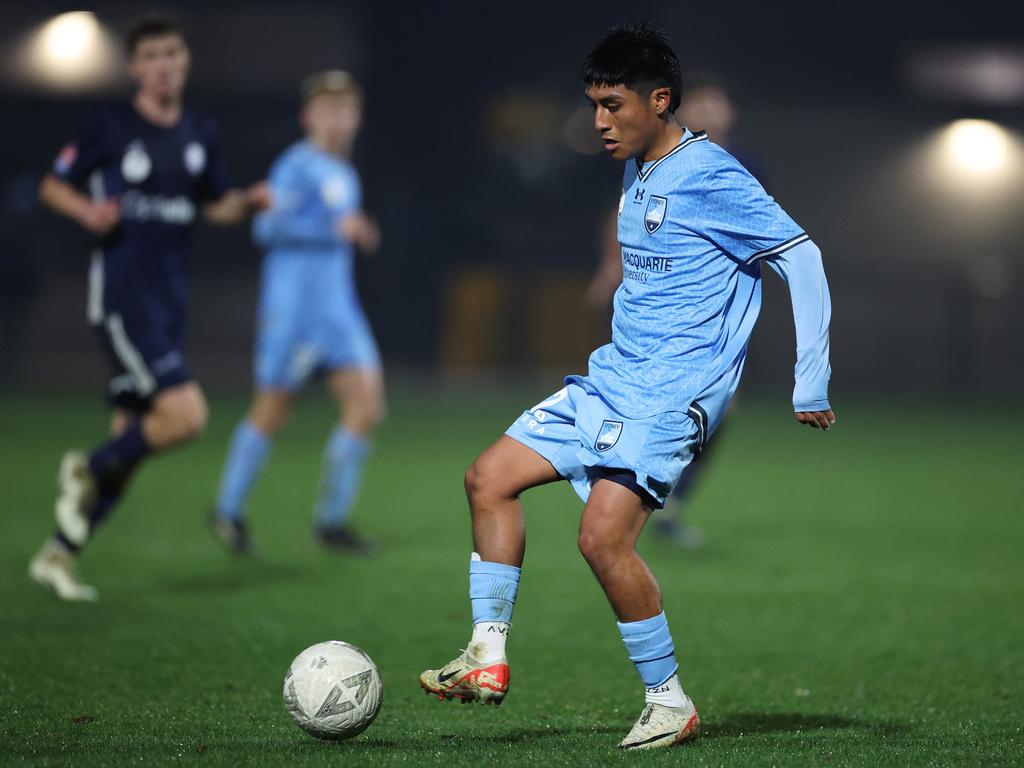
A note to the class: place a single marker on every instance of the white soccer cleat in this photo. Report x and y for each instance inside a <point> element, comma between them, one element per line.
<point>76,498</point>
<point>661,726</point>
<point>466,680</point>
<point>55,568</point>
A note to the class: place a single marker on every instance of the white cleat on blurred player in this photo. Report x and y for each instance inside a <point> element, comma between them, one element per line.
<point>56,569</point>
<point>661,726</point>
<point>76,498</point>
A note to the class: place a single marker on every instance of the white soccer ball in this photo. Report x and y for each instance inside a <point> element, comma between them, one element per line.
<point>333,690</point>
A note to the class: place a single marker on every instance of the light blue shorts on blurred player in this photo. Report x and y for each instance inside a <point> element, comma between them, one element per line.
<point>310,320</point>
<point>585,440</point>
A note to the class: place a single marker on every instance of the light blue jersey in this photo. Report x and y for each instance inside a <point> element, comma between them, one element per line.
<point>310,315</point>
<point>694,228</point>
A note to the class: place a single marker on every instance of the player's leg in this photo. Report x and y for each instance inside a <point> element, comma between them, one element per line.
<point>359,393</point>
<point>494,483</point>
<point>55,566</point>
<point>91,484</point>
<point>612,520</point>
<point>247,455</point>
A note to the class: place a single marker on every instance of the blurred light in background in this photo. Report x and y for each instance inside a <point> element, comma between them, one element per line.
<point>977,147</point>
<point>979,74</point>
<point>973,164</point>
<point>70,52</point>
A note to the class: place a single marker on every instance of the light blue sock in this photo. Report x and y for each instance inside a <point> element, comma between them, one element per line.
<point>344,458</point>
<point>492,590</point>
<point>246,457</point>
<point>650,648</point>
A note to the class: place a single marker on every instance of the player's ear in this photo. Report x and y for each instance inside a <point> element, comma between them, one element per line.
<point>661,98</point>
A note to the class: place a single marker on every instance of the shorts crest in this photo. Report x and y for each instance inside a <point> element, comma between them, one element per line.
<point>608,435</point>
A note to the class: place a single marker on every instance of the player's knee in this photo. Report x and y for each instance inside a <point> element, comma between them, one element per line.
<point>192,420</point>
<point>188,416</point>
<point>483,481</point>
<point>599,544</point>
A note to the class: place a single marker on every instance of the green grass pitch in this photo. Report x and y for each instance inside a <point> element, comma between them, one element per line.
<point>860,600</point>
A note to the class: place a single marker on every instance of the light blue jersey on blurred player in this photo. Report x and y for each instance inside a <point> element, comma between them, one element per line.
<point>694,228</point>
<point>310,317</point>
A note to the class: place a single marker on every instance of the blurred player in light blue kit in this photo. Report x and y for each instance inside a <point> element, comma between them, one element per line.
<point>694,229</point>
<point>310,318</point>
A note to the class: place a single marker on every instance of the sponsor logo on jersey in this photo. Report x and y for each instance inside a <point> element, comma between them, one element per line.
<point>136,165</point>
<point>137,206</point>
<point>608,436</point>
<point>654,216</point>
<point>195,157</point>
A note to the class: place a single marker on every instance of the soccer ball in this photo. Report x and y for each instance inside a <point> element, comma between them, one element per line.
<point>333,690</point>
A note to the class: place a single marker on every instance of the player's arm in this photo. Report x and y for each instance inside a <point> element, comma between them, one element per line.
<point>221,205</point>
<point>360,229</point>
<point>237,205</point>
<point>59,189</point>
<point>96,216</point>
<point>801,268</point>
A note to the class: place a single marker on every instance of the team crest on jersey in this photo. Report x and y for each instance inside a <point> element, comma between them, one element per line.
<point>69,154</point>
<point>333,191</point>
<point>655,214</point>
<point>622,202</point>
<point>136,165</point>
<point>195,157</point>
<point>608,436</point>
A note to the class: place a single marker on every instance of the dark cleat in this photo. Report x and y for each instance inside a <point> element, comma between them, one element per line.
<point>233,534</point>
<point>344,539</point>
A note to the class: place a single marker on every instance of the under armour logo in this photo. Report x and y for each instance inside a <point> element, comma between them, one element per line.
<point>638,196</point>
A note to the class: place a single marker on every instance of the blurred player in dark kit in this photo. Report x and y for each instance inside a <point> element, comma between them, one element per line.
<point>149,167</point>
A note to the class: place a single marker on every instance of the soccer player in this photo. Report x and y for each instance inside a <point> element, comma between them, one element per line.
<point>695,229</point>
<point>705,105</point>
<point>148,165</point>
<point>310,316</point>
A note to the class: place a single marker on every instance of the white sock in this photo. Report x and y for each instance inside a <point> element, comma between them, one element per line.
<point>668,694</point>
<point>488,642</point>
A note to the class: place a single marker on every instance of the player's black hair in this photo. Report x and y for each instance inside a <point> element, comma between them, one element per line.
<point>155,24</point>
<point>637,55</point>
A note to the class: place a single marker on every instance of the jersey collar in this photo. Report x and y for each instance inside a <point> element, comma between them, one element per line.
<point>644,170</point>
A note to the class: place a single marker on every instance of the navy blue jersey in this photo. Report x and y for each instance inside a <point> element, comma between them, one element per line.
<point>159,175</point>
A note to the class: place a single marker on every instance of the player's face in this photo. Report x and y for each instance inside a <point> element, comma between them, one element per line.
<point>627,121</point>
<point>332,120</point>
<point>160,66</point>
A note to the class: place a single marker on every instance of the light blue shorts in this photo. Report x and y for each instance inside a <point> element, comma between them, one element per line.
<point>310,321</point>
<point>579,433</point>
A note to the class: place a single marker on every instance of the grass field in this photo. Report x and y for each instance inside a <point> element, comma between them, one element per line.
<point>860,600</point>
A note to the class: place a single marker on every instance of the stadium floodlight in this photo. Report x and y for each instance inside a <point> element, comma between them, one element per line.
<point>72,51</point>
<point>977,147</point>
<point>69,39</point>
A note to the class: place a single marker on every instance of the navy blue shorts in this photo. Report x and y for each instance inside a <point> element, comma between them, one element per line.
<point>145,359</point>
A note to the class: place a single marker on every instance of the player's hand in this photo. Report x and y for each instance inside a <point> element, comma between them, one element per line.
<point>362,231</point>
<point>817,419</point>
<point>100,216</point>
<point>259,196</point>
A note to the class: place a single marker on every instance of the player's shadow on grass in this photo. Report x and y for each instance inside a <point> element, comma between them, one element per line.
<point>740,723</point>
<point>239,575</point>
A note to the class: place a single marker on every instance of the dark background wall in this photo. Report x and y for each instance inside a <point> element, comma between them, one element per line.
<point>464,163</point>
